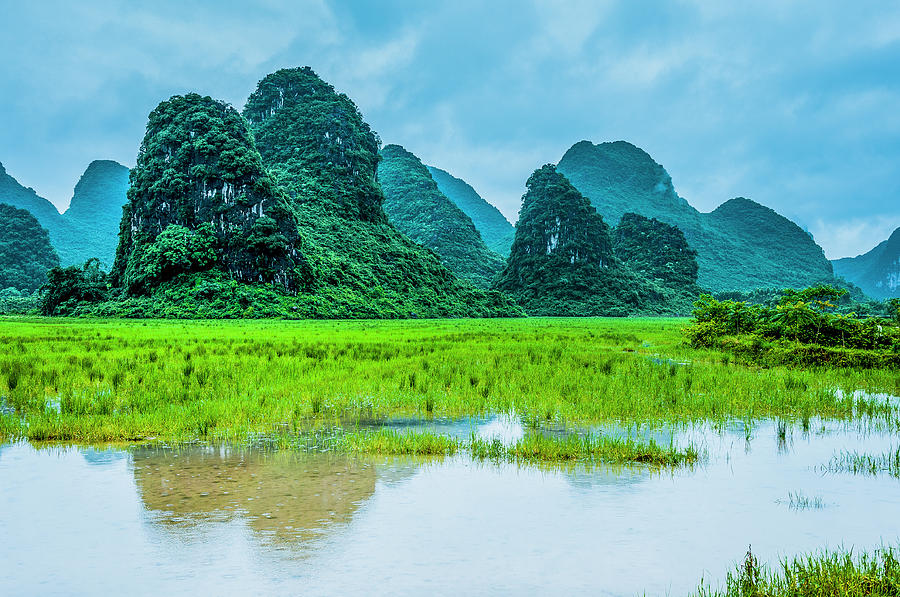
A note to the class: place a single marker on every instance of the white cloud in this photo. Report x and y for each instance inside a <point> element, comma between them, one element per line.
<point>852,237</point>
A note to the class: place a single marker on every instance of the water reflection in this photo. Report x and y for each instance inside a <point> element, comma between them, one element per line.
<point>222,521</point>
<point>285,495</point>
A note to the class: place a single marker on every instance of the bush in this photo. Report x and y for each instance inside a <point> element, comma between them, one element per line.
<point>801,329</point>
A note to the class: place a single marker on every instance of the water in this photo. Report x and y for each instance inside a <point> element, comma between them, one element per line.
<point>225,521</point>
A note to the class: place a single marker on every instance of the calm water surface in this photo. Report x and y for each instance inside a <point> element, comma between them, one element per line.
<point>86,521</point>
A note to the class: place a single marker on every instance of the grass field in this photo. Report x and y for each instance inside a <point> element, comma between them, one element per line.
<point>237,381</point>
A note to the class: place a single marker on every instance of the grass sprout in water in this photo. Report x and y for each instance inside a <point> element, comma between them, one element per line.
<point>591,447</point>
<point>866,464</point>
<point>796,500</point>
<point>822,574</point>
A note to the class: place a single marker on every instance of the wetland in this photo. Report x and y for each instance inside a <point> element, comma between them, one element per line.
<point>600,456</point>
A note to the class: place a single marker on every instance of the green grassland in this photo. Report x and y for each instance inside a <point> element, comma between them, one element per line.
<point>90,380</point>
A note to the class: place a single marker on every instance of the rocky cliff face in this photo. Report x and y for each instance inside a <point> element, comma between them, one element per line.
<point>417,208</point>
<point>317,143</point>
<point>561,248</point>
<point>495,229</point>
<point>877,272</point>
<point>318,148</point>
<point>199,198</point>
<point>741,246</point>
<point>25,251</point>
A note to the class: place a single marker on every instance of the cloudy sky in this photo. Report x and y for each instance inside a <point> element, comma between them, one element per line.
<point>793,104</point>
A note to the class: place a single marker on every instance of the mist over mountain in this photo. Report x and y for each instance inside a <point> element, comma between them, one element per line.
<point>741,245</point>
<point>495,229</point>
<point>90,226</point>
<point>877,272</point>
<point>415,205</point>
<point>96,209</point>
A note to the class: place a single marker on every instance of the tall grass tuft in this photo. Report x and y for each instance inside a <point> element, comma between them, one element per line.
<point>826,574</point>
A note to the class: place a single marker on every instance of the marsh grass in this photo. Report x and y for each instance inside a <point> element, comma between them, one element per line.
<point>796,500</point>
<point>865,464</point>
<point>226,381</point>
<point>826,574</point>
<point>589,448</point>
<point>391,442</point>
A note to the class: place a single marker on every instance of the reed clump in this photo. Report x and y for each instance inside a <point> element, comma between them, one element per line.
<point>825,574</point>
<point>859,463</point>
<point>390,442</point>
<point>535,447</point>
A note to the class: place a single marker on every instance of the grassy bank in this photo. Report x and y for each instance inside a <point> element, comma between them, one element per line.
<point>115,380</point>
<point>826,574</point>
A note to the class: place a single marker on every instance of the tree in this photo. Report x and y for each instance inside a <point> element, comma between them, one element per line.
<point>67,287</point>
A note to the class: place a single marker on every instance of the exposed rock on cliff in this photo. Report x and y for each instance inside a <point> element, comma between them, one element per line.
<point>741,246</point>
<point>200,199</point>
<point>877,272</point>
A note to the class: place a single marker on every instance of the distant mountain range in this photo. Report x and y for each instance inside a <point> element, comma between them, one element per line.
<point>416,206</point>
<point>294,193</point>
<point>495,229</point>
<point>90,226</point>
<point>741,245</point>
<point>876,272</point>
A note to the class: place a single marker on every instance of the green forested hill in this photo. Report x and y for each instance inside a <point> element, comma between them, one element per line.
<point>656,251</point>
<point>418,209</point>
<point>200,200</point>
<point>495,229</point>
<point>877,272</point>
<point>25,251</point>
<point>563,260</point>
<point>61,232</point>
<point>742,245</point>
<point>319,149</point>
<point>96,209</point>
<point>90,226</point>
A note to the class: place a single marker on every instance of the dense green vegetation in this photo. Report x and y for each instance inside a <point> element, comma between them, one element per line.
<point>826,574</point>
<point>495,229</point>
<point>319,149</point>
<point>418,209</point>
<point>25,251</point>
<point>563,260</point>
<point>740,246</point>
<point>90,226</point>
<point>200,199</point>
<point>534,447</point>
<point>237,381</point>
<point>876,272</point>
<point>69,288</point>
<point>803,328</point>
<point>656,251</point>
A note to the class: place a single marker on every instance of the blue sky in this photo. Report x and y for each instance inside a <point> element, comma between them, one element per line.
<point>793,104</point>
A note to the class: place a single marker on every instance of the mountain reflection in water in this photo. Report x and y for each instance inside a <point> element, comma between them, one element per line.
<point>282,494</point>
